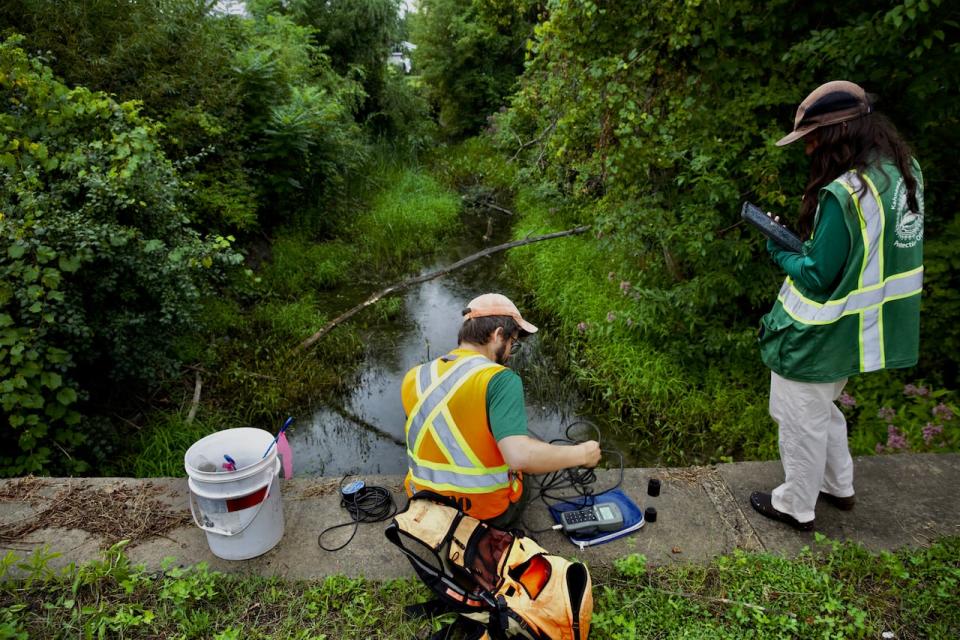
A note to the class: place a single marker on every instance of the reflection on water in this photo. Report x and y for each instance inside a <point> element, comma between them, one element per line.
<point>365,433</point>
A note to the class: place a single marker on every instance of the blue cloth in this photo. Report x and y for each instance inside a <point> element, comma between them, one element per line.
<point>632,516</point>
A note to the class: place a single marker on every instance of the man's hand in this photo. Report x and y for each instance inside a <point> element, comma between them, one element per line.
<point>591,453</point>
<point>523,453</point>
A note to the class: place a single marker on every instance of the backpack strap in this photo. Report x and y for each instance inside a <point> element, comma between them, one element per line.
<point>449,591</point>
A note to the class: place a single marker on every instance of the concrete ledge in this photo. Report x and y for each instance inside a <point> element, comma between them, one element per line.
<point>703,512</point>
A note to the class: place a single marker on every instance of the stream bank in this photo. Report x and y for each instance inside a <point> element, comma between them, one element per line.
<point>362,430</point>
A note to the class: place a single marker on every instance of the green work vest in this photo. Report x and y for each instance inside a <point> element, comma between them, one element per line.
<point>871,318</point>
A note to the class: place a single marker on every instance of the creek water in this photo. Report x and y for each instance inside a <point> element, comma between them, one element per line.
<point>363,431</point>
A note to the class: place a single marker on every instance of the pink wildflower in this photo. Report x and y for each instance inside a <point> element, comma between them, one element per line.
<point>879,448</point>
<point>913,390</point>
<point>931,431</point>
<point>611,316</point>
<point>847,400</point>
<point>582,327</point>
<point>886,414</point>
<point>943,412</point>
<point>624,286</point>
<point>896,439</point>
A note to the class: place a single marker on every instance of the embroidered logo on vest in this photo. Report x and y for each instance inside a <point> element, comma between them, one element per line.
<point>909,229</point>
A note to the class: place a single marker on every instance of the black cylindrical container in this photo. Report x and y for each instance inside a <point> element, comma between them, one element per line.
<point>653,487</point>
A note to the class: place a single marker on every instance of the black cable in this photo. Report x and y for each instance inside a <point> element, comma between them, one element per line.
<point>368,504</point>
<point>573,486</point>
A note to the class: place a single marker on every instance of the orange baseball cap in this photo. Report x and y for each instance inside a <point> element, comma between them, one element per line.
<point>496,304</point>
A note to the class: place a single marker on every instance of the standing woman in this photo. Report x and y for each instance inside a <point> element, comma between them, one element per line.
<point>851,300</point>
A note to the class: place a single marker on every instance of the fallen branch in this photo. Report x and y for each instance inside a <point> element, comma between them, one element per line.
<point>400,286</point>
<point>196,399</point>
<point>496,207</point>
<point>372,428</point>
<point>489,233</point>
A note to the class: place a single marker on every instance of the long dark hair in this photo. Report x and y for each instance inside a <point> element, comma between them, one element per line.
<point>854,144</point>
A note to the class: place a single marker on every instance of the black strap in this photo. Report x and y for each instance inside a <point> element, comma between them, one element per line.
<point>461,504</point>
<point>503,620</point>
<point>392,532</point>
<point>448,590</point>
<point>471,629</point>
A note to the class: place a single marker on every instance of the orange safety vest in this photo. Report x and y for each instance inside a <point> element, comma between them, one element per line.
<point>450,448</point>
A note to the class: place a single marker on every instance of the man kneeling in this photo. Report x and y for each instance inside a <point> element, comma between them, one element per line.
<point>466,424</point>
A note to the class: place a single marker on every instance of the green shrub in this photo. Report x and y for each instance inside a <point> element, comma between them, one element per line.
<point>355,34</point>
<point>404,113</point>
<point>298,121</point>
<point>260,125</point>
<point>98,268</point>
<point>475,165</point>
<point>176,60</point>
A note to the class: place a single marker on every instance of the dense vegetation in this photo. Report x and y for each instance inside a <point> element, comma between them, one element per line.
<point>654,122</point>
<point>183,193</point>
<point>148,149</point>
<point>844,591</point>
<point>181,189</point>
<point>469,54</point>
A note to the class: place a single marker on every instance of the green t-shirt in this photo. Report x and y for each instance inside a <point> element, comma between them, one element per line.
<point>506,410</point>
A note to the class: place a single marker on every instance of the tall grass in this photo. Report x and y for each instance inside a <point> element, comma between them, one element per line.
<point>300,265</point>
<point>405,221</point>
<point>689,416</point>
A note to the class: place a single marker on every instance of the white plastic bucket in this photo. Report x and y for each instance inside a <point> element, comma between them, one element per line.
<point>241,511</point>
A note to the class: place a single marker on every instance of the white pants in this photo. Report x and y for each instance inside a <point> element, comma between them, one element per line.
<point>813,444</point>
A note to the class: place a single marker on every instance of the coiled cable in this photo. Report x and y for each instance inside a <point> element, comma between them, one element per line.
<point>573,486</point>
<point>366,504</point>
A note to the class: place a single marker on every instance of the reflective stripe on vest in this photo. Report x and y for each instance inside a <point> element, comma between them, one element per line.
<point>872,292</point>
<point>465,473</point>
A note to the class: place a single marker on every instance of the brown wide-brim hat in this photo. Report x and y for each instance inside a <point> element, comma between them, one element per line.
<point>830,103</point>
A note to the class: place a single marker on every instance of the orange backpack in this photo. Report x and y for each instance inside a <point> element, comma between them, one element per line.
<point>502,581</point>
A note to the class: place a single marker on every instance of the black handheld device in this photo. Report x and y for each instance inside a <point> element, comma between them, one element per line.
<point>770,228</point>
<point>603,516</point>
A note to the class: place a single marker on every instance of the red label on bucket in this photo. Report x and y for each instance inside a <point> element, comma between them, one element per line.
<point>247,501</point>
